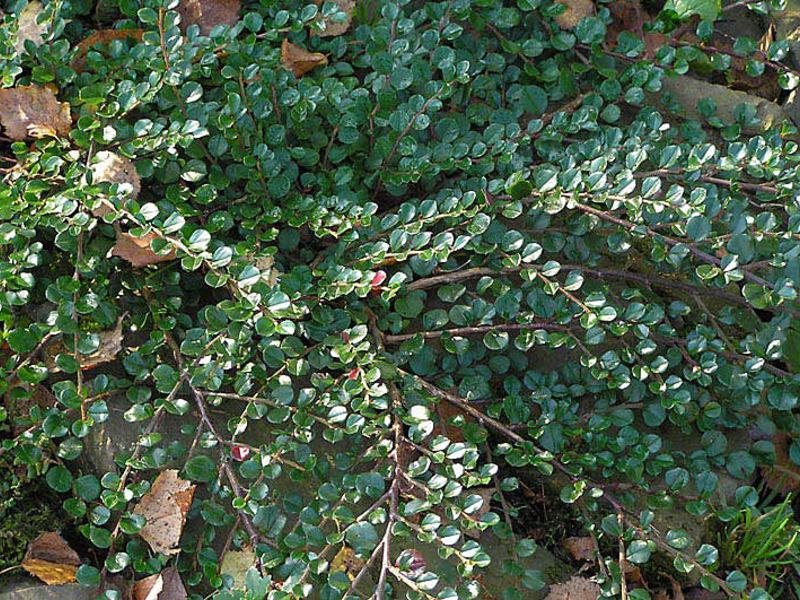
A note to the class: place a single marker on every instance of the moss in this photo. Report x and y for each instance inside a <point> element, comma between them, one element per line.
<point>26,510</point>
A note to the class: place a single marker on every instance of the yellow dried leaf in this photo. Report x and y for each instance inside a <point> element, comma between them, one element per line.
<point>33,111</point>
<point>137,251</point>
<point>29,29</point>
<point>207,14</point>
<point>103,36</point>
<point>299,60</point>
<point>333,28</point>
<point>346,561</point>
<point>166,585</point>
<point>51,559</point>
<point>164,507</point>
<point>236,563</point>
<point>576,11</point>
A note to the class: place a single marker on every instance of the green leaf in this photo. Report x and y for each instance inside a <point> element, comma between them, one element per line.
<point>707,10</point>
<point>201,468</point>
<point>362,537</point>
<point>59,478</point>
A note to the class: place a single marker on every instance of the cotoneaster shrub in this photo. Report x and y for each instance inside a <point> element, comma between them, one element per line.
<point>464,250</point>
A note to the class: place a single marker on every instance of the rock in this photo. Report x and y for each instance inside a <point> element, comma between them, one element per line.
<point>787,27</point>
<point>492,577</point>
<point>116,434</point>
<point>740,22</point>
<point>681,95</point>
<point>26,589</point>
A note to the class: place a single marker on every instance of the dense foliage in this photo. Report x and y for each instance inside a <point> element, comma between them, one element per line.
<point>469,250</point>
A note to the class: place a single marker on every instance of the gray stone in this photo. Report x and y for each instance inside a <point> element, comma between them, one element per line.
<point>492,577</point>
<point>28,589</point>
<point>688,91</point>
<point>787,27</point>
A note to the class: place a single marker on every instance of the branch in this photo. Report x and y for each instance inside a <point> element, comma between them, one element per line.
<point>633,227</point>
<point>465,406</point>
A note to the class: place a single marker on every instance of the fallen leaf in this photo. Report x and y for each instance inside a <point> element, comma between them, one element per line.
<point>580,548</point>
<point>29,29</point>
<point>447,413</point>
<point>299,60</point>
<point>332,27</point>
<point>137,251</point>
<point>266,264</point>
<point>628,15</point>
<point>783,476</point>
<point>576,11</point>
<point>165,507</point>
<point>103,36</point>
<point>166,585</point>
<point>347,562</point>
<point>207,14</point>
<point>577,588</point>
<point>50,558</point>
<point>114,168</point>
<point>110,346</point>
<point>33,111</point>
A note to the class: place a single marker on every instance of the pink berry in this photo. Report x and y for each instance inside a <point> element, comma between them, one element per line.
<point>240,453</point>
<point>378,279</point>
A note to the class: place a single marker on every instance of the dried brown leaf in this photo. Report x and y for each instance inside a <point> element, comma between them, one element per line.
<point>165,507</point>
<point>33,111</point>
<point>346,561</point>
<point>445,426</point>
<point>333,28</point>
<point>103,36</point>
<point>576,10</point>
<point>29,29</point>
<point>299,60</point>
<point>269,274</point>
<point>114,168</point>
<point>783,476</point>
<point>50,558</point>
<point>110,346</point>
<point>577,588</point>
<point>137,251</point>
<point>207,14</point>
<point>628,15</point>
<point>580,548</point>
<point>166,585</point>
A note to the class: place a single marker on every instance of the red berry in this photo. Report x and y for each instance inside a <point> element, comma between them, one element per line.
<point>353,375</point>
<point>411,562</point>
<point>240,453</point>
<point>378,279</point>
<point>345,337</point>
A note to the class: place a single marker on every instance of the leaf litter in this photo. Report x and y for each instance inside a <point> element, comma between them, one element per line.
<point>50,558</point>
<point>164,508</point>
